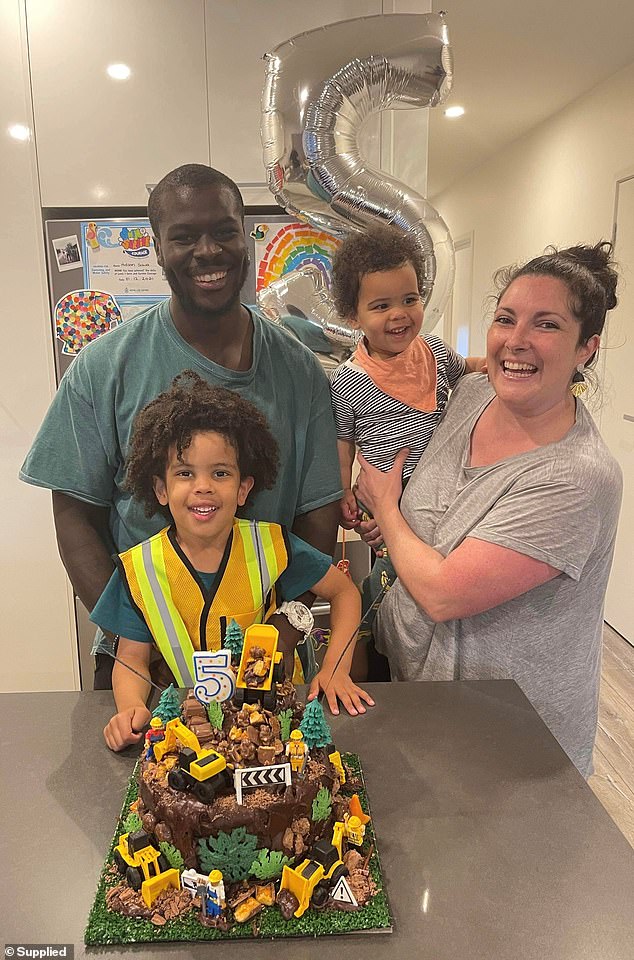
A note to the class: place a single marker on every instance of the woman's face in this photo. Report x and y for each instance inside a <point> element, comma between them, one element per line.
<point>533,344</point>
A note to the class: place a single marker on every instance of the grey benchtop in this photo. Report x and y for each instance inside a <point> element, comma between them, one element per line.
<point>493,847</point>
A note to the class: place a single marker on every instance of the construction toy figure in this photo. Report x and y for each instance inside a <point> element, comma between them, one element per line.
<point>297,751</point>
<point>214,900</point>
<point>355,830</point>
<point>155,734</point>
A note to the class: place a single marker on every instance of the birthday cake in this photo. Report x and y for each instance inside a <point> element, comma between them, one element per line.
<point>242,818</point>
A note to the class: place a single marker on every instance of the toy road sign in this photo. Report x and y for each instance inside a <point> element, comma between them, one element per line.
<point>343,893</point>
<point>275,775</point>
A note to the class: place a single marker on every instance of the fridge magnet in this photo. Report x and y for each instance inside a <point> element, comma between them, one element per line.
<point>292,246</point>
<point>67,253</point>
<point>82,316</point>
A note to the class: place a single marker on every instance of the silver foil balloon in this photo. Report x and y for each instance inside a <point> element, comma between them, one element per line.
<point>320,88</point>
<point>300,301</point>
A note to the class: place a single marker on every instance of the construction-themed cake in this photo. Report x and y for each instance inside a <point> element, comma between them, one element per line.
<point>242,818</point>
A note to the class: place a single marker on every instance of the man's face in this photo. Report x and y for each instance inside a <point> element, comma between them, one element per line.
<point>202,248</point>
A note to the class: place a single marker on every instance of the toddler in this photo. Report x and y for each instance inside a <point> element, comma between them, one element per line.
<point>391,393</point>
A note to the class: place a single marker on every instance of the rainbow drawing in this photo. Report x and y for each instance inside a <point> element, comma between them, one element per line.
<point>293,246</point>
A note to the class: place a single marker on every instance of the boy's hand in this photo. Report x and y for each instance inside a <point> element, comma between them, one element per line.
<point>349,510</point>
<point>339,685</point>
<point>126,727</point>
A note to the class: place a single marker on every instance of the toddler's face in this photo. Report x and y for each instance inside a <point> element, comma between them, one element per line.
<point>389,311</point>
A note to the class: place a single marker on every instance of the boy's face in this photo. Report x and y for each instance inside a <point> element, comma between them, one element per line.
<point>389,311</point>
<point>204,489</point>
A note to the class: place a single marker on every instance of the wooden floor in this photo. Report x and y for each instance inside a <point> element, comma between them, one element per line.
<point>613,779</point>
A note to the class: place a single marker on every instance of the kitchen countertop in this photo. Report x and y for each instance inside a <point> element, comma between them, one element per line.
<point>492,845</point>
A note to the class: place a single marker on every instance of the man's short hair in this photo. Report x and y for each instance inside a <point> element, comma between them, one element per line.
<point>191,175</point>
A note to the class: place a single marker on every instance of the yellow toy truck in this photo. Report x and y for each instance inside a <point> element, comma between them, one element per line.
<point>200,771</point>
<point>312,880</point>
<point>261,667</point>
<point>144,867</point>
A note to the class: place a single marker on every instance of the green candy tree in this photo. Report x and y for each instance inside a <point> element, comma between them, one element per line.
<point>285,718</point>
<point>314,727</point>
<point>268,864</point>
<point>234,640</point>
<point>169,705</point>
<point>215,714</point>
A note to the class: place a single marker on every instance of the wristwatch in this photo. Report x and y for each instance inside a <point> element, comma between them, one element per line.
<point>298,615</point>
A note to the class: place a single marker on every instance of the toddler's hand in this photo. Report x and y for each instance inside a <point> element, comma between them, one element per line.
<point>126,727</point>
<point>339,685</point>
<point>349,511</point>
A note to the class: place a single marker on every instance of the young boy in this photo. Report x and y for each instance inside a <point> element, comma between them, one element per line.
<point>196,454</point>
<point>391,393</point>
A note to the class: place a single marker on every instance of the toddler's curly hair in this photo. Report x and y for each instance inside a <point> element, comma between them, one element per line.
<point>380,248</point>
<point>192,405</point>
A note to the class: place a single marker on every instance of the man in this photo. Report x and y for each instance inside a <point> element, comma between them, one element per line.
<point>197,217</point>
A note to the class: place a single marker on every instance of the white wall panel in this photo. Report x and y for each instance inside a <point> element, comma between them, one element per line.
<point>38,648</point>
<point>101,140</point>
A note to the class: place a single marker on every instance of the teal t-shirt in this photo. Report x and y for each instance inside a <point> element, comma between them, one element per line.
<point>82,444</point>
<point>114,611</point>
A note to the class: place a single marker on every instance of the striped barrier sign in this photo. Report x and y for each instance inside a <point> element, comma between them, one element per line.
<point>249,778</point>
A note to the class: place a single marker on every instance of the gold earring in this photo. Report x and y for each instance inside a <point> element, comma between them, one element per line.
<point>578,385</point>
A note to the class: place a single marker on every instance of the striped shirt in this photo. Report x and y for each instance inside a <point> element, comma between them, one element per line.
<point>380,425</point>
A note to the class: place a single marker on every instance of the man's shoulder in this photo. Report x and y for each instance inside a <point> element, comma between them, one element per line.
<point>284,345</point>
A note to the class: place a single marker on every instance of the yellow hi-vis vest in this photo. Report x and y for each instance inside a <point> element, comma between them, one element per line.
<point>180,614</point>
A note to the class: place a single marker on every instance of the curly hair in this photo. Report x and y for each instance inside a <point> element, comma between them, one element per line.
<point>189,406</point>
<point>381,248</point>
<point>588,272</point>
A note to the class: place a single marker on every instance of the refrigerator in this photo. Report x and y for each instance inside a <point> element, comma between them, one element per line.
<point>103,271</point>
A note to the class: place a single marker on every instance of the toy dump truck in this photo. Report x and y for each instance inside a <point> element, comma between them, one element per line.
<point>312,880</point>
<point>200,771</point>
<point>144,867</point>
<point>261,667</point>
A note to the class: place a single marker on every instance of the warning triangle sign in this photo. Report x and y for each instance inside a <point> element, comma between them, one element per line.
<point>343,893</point>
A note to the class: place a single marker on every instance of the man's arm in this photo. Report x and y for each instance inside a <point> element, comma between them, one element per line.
<point>83,541</point>
<point>319,528</point>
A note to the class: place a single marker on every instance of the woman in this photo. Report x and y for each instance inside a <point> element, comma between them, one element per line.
<point>505,539</point>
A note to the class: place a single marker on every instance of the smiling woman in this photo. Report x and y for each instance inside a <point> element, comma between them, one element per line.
<point>505,540</point>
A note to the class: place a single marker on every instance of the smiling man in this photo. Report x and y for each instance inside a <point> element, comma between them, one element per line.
<point>196,215</point>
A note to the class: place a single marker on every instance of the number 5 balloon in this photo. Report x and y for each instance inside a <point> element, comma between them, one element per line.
<point>320,88</point>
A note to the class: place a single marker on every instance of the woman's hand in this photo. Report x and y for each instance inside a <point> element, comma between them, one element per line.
<point>375,489</point>
<point>339,685</point>
<point>126,727</point>
<point>370,532</point>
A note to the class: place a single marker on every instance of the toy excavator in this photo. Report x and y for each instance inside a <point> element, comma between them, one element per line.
<point>144,867</point>
<point>200,771</point>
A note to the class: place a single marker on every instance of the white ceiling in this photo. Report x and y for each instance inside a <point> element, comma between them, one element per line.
<point>517,63</point>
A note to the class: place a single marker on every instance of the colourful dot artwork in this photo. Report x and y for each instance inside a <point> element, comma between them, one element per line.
<point>83,315</point>
<point>295,245</point>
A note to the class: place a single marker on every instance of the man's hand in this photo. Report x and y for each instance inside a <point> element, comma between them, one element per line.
<point>126,727</point>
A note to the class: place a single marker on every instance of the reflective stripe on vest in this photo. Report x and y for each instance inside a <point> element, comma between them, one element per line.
<point>167,594</point>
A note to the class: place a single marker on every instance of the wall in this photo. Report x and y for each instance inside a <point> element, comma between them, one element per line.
<point>35,598</point>
<point>555,185</point>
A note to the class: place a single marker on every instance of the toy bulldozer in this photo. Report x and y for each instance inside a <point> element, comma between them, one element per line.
<point>144,867</point>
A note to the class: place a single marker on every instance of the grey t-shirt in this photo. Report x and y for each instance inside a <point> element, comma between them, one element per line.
<point>558,504</point>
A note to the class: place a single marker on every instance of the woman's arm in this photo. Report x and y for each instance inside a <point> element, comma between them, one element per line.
<point>345,614</point>
<point>477,576</point>
<point>130,694</point>
<point>476,365</point>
